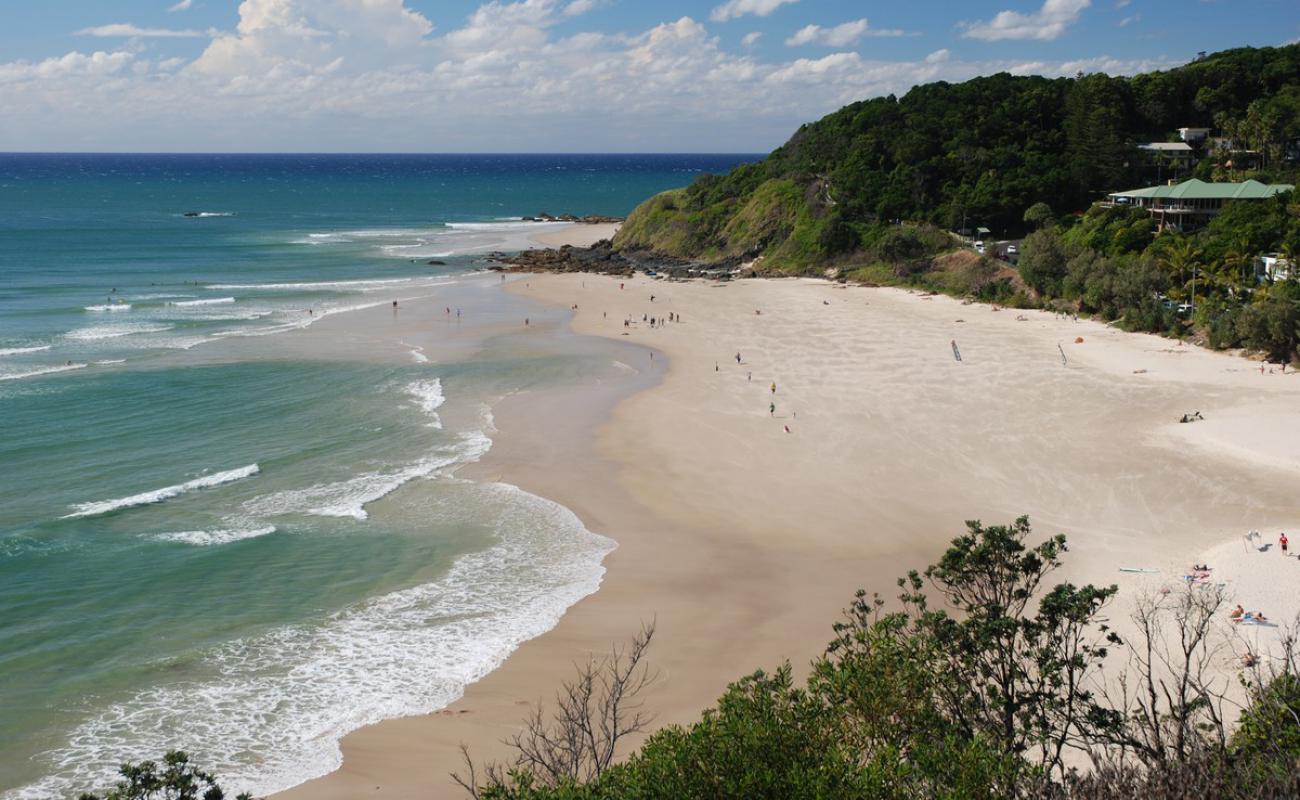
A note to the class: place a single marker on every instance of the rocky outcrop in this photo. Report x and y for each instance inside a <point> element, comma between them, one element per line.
<point>589,219</point>
<point>602,258</point>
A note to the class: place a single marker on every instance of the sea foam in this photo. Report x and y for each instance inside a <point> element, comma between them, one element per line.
<point>209,301</point>
<point>215,537</point>
<point>96,332</point>
<point>17,351</point>
<point>357,285</point>
<point>165,493</point>
<point>349,498</point>
<point>291,694</point>
<point>427,395</point>
<point>32,373</point>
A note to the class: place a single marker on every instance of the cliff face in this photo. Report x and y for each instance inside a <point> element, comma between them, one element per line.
<point>964,155</point>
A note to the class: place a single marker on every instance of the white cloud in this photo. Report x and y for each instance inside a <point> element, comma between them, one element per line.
<point>1046,24</point>
<point>739,8</point>
<point>123,29</point>
<point>840,35</point>
<point>579,7</point>
<point>274,36</point>
<point>750,39</point>
<point>183,5</point>
<point>1127,21</point>
<point>70,65</point>
<point>367,75</point>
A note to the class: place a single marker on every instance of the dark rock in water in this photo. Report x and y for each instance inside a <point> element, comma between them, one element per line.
<point>590,219</point>
<point>191,214</point>
<point>437,263</point>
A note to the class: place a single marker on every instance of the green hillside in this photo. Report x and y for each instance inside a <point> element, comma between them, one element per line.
<point>972,154</point>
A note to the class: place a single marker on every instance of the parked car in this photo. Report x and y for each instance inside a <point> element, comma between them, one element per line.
<point>1012,250</point>
<point>979,247</point>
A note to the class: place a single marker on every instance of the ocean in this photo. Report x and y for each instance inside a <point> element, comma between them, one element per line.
<point>218,537</point>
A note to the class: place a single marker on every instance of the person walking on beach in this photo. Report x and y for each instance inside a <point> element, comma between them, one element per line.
<point>525,322</point>
<point>771,409</point>
<point>1282,542</point>
<point>749,377</point>
<point>737,358</point>
<point>773,387</point>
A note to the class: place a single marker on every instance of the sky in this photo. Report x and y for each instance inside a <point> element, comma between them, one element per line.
<point>543,75</point>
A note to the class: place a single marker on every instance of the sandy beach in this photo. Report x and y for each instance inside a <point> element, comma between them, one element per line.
<point>577,235</point>
<point>746,516</point>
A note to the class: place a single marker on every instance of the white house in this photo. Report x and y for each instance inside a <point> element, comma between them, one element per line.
<point>1273,267</point>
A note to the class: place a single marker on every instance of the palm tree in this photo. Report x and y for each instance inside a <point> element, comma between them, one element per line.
<point>1180,256</point>
<point>1235,260</point>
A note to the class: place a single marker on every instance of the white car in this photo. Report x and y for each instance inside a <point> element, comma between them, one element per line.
<point>1012,250</point>
<point>979,247</point>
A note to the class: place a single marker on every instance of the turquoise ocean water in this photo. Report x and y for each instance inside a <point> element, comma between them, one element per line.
<point>212,540</point>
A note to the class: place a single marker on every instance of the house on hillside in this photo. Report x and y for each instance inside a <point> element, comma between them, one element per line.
<point>1193,135</point>
<point>1193,203</point>
<point>1171,158</point>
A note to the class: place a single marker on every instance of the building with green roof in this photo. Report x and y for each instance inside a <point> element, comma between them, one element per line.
<point>1193,203</point>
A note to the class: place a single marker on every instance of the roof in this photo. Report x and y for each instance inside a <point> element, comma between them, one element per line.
<point>1167,147</point>
<point>1196,189</point>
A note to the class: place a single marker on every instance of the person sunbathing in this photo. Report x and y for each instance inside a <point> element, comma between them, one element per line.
<point>1238,612</point>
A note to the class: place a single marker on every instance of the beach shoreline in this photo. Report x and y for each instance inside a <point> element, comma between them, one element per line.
<point>742,540</point>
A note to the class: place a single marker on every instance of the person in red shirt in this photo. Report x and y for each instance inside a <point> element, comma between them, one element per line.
<point>1282,541</point>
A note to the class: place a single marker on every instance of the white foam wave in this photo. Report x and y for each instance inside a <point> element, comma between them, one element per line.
<point>108,361</point>
<point>209,301</point>
<point>17,351</point>
<point>268,711</point>
<point>502,225</point>
<point>209,538</point>
<point>356,285</point>
<point>428,396</point>
<point>110,307</point>
<point>417,353</point>
<point>350,497</point>
<point>165,493</point>
<point>97,332</point>
<point>32,373</point>
<point>209,214</point>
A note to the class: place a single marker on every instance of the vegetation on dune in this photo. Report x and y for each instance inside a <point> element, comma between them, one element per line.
<point>868,193</point>
<point>989,693</point>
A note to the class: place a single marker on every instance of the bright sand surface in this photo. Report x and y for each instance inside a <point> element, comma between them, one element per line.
<point>744,541</point>
<point>578,234</point>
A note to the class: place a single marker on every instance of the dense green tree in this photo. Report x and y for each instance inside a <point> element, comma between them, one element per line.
<point>1043,262</point>
<point>1038,215</point>
<point>175,779</point>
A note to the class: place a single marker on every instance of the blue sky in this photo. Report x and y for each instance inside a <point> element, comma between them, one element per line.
<point>543,75</point>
